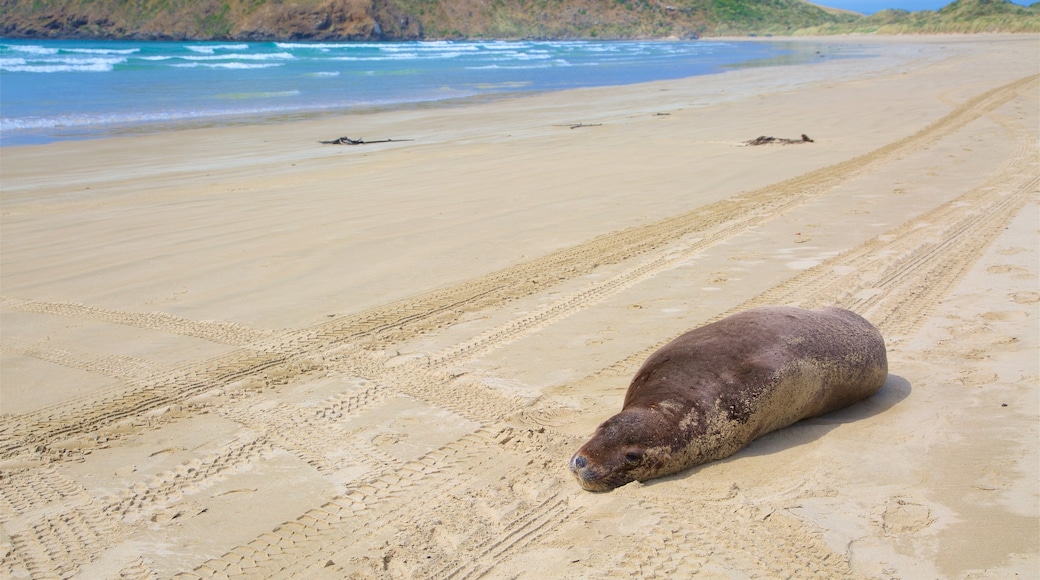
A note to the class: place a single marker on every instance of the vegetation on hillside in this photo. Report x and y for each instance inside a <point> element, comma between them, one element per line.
<point>611,18</point>
<point>960,16</point>
<point>439,19</point>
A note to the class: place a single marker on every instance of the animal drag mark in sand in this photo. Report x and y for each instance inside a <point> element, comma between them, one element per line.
<point>713,390</point>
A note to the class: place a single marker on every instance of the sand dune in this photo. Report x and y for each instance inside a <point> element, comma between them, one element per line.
<point>235,352</point>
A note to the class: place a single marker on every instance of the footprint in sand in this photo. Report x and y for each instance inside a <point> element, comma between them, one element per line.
<point>1003,269</point>
<point>978,377</point>
<point>905,517</point>
<point>1026,297</point>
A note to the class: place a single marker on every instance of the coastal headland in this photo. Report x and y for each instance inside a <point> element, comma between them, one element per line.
<point>397,20</point>
<point>236,351</point>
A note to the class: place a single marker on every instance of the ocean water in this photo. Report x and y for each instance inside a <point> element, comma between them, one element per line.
<point>56,90</point>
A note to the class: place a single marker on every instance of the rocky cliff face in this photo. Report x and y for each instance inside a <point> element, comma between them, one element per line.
<point>209,19</point>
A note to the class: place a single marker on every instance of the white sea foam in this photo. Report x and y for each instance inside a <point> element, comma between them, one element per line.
<point>62,65</point>
<point>399,56</point>
<point>430,47</point>
<point>512,67</point>
<point>31,49</point>
<point>530,56</point>
<point>260,95</point>
<point>383,58</point>
<point>86,121</point>
<point>228,65</point>
<point>504,45</point>
<point>243,56</point>
<point>29,123</point>
<point>296,45</point>
<point>409,47</point>
<point>102,50</point>
<point>325,45</point>
<point>212,48</point>
<point>104,120</point>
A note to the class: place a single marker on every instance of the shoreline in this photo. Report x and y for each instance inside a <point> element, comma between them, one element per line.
<point>91,132</point>
<point>235,351</point>
<point>848,41</point>
<point>303,118</point>
<point>229,155</point>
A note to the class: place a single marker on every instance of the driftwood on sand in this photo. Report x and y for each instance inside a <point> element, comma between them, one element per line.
<point>580,125</point>
<point>763,140</point>
<point>359,141</point>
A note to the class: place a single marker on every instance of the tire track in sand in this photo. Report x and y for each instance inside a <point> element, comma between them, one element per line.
<point>370,503</point>
<point>395,323</point>
<point>36,432</point>
<point>700,540</point>
<point>515,512</point>
<point>403,319</point>
<point>55,527</point>
<point>110,365</point>
<point>894,280</point>
<point>307,435</point>
<point>897,278</point>
<point>881,279</point>
<point>789,545</point>
<point>213,331</point>
<point>500,518</point>
<point>399,321</point>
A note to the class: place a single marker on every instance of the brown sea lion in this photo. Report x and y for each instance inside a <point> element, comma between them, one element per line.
<point>713,390</point>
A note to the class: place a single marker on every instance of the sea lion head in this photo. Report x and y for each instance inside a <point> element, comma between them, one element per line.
<point>635,444</point>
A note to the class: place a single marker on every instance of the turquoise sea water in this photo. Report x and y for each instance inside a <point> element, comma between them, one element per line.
<point>55,90</point>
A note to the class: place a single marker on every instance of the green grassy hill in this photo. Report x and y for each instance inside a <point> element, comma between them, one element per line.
<point>960,16</point>
<point>439,19</point>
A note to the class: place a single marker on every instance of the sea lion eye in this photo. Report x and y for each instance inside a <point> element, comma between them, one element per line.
<point>634,456</point>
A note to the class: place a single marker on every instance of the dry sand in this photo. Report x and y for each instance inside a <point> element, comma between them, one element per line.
<point>236,352</point>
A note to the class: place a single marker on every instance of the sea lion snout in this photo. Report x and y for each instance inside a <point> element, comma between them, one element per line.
<point>580,468</point>
<point>587,475</point>
<point>578,461</point>
<point>618,453</point>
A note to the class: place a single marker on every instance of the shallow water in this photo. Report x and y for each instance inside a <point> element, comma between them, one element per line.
<point>56,90</point>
